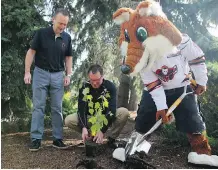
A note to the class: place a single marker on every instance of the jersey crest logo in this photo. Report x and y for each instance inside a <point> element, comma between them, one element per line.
<point>165,73</point>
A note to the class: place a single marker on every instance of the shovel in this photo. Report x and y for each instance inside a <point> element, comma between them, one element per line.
<point>137,141</point>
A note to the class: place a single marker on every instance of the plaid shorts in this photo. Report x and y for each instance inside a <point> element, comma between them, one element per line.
<point>188,117</point>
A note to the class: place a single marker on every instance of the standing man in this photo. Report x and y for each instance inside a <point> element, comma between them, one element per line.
<point>52,50</point>
<point>98,86</point>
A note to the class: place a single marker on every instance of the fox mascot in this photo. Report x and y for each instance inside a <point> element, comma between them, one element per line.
<point>155,48</point>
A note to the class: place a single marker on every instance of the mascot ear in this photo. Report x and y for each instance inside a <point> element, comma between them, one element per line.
<point>122,15</point>
<point>150,7</point>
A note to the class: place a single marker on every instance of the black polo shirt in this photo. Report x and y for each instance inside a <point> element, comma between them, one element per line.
<point>51,51</point>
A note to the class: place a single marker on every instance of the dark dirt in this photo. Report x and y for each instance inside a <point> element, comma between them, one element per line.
<point>16,155</point>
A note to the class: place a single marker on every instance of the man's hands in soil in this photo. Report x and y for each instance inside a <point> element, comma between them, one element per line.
<point>85,134</point>
<point>99,137</point>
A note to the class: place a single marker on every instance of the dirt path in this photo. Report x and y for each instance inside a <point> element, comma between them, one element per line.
<point>15,153</point>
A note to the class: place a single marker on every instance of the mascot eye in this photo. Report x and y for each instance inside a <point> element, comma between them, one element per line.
<point>141,34</point>
<point>126,36</point>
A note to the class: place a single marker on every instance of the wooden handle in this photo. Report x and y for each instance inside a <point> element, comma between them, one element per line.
<point>193,82</point>
<point>174,105</point>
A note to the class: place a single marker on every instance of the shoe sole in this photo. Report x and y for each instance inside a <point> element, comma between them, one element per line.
<point>60,147</point>
<point>34,150</point>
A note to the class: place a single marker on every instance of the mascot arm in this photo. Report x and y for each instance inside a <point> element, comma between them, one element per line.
<point>159,98</point>
<point>154,87</point>
<point>200,73</point>
<point>196,59</point>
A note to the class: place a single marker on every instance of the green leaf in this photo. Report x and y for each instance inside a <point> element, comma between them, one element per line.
<point>84,99</point>
<point>85,91</point>
<point>91,104</point>
<point>105,103</point>
<point>91,111</point>
<point>97,105</point>
<point>92,120</point>
<point>89,97</point>
<point>105,121</point>
<point>107,95</point>
<point>94,129</point>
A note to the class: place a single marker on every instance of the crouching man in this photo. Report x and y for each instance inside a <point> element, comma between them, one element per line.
<point>99,89</point>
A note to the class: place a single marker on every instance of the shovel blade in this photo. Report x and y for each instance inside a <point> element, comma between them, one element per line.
<point>119,154</point>
<point>144,147</point>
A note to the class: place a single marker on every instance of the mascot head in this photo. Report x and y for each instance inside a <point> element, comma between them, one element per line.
<point>146,35</point>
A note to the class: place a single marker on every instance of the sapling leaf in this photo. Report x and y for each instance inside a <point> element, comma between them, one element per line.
<point>84,99</point>
<point>107,95</point>
<point>89,97</point>
<point>92,120</point>
<point>91,111</point>
<point>105,121</point>
<point>93,130</point>
<point>105,103</point>
<point>97,105</point>
<point>85,91</point>
<point>91,104</point>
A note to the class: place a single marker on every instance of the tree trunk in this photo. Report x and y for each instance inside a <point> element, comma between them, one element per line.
<point>133,96</point>
<point>123,91</point>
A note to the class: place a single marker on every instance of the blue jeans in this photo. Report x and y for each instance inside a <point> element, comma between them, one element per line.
<point>188,117</point>
<point>43,82</point>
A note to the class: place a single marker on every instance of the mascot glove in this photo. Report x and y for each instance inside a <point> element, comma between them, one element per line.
<point>162,114</point>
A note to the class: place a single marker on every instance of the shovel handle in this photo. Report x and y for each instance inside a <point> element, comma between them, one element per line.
<point>193,81</point>
<point>179,100</point>
<point>175,104</point>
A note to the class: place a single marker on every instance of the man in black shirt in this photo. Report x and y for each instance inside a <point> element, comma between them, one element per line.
<point>52,50</point>
<point>97,87</point>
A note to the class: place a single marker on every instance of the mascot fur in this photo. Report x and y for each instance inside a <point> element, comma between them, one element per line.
<point>153,47</point>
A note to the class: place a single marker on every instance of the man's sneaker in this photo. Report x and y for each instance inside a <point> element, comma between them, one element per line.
<point>58,143</point>
<point>35,145</point>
